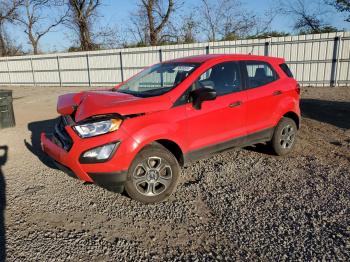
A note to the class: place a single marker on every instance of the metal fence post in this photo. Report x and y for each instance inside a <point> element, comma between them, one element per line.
<point>161,74</point>
<point>88,68</point>
<point>160,55</point>
<point>266,48</point>
<point>33,72</point>
<point>59,70</point>
<point>207,49</point>
<point>121,66</point>
<point>8,71</point>
<point>335,61</point>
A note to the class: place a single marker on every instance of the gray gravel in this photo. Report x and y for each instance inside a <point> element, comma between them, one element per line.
<point>243,204</point>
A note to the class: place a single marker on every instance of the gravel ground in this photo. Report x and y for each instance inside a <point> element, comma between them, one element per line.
<point>244,204</point>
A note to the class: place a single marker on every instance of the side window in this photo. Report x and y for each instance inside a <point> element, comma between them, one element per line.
<point>183,99</point>
<point>259,73</point>
<point>286,70</point>
<point>225,78</point>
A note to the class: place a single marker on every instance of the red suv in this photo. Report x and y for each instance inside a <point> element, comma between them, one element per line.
<point>137,135</point>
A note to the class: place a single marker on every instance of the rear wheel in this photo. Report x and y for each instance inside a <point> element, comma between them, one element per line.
<point>284,136</point>
<point>153,175</point>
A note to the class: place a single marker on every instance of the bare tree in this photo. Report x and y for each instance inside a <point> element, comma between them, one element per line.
<point>35,21</point>
<point>151,21</point>
<point>11,45</point>
<point>109,36</point>
<point>189,29</point>
<point>139,27</point>
<point>264,23</point>
<point>308,16</point>
<point>8,13</point>
<point>225,19</point>
<point>211,18</point>
<point>342,6</point>
<point>82,13</point>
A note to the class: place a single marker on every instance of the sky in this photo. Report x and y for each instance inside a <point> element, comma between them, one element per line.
<point>117,13</point>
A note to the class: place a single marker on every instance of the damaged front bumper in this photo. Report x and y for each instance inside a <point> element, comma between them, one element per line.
<point>65,147</point>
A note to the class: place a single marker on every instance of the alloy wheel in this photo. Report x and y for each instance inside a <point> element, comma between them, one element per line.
<point>152,176</point>
<point>287,136</point>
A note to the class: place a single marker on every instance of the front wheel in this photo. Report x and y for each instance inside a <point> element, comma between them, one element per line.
<point>284,136</point>
<point>153,174</point>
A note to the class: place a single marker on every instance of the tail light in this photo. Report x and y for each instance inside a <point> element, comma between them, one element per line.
<point>298,89</point>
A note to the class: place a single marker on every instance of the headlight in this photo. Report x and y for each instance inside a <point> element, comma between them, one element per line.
<point>98,128</point>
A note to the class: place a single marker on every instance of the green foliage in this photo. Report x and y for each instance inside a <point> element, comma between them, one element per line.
<point>268,34</point>
<point>321,30</point>
<point>94,47</point>
<point>138,44</point>
<point>74,49</point>
<point>230,37</point>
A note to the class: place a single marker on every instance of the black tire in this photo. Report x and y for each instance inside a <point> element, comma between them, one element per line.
<point>153,174</point>
<point>284,136</point>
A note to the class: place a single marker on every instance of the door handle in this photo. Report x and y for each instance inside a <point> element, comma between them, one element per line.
<point>277,93</point>
<point>235,104</point>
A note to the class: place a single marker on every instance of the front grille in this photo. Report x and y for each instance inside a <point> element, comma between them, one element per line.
<point>61,137</point>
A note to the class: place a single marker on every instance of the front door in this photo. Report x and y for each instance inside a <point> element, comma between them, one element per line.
<point>221,120</point>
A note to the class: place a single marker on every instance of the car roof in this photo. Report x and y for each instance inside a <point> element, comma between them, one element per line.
<point>213,57</point>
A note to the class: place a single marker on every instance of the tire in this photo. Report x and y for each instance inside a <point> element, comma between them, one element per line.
<point>153,174</point>
<point>284,136</point>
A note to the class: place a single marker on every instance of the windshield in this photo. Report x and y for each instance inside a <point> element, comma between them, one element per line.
<point>158,79</point>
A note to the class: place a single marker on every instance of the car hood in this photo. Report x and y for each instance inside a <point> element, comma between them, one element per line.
<point>91,103</point>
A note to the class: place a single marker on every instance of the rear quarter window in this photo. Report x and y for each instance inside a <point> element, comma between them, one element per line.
<point>259,73</point>
<point>286,70</point>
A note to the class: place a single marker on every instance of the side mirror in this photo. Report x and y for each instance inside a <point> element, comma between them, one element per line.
<point>200,95</point>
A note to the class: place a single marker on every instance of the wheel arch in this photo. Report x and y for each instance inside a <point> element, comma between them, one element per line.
<point>174,148</point>
<point>162,135</point>
<point>294,116</point>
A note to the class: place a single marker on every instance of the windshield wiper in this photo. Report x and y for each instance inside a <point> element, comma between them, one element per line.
<point>128,92</point>
<point>155,92</point>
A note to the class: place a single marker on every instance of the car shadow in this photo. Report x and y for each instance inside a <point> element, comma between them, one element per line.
<point>331,112</point>
<point>3,160</point>
<point>36,128</point>
<point>262,148</point>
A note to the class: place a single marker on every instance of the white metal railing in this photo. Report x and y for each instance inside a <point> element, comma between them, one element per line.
<point>318,60</point>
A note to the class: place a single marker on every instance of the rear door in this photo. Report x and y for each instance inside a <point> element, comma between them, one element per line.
<point>263,93</point>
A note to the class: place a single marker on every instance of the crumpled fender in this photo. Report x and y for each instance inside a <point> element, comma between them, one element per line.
<point>67,103</point>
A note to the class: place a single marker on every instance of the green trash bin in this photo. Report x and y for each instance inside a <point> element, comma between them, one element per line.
<point>7,116</point>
